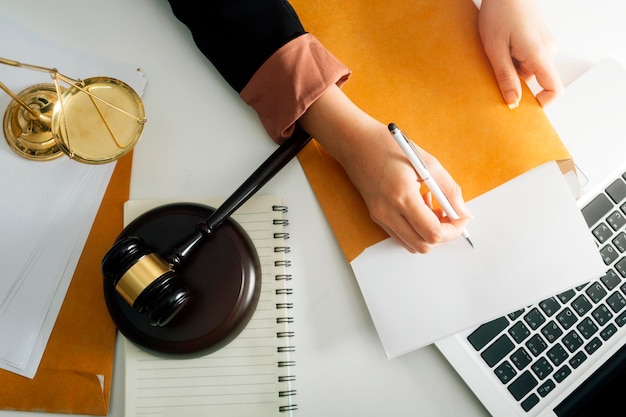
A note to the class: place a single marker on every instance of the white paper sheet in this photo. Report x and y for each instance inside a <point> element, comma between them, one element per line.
<point>38,298</point>
<point>531,242</point>
<point>32,194</point>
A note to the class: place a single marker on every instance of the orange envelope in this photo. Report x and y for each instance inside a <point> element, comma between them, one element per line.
<point>420,64</point>
<point>82,344</point>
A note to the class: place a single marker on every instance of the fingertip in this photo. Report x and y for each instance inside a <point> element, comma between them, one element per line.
<point>546,97</point>
<point>552,85</point>
<point>508,80</point>
<point>512,99</point>
<point>428,199</point>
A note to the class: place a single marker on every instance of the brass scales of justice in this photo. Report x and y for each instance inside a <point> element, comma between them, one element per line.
<point>95,121</point>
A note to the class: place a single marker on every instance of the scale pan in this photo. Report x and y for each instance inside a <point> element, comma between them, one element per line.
<point>98,120</point>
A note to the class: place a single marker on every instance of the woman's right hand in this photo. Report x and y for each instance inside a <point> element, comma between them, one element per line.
<point>383,175</point>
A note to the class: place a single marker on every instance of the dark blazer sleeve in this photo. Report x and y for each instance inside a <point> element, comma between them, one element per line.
<point>238,36</point>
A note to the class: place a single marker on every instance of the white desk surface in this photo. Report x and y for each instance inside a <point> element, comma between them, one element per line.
<point>201,140</point>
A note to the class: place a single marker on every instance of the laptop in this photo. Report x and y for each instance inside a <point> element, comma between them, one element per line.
<point>566,354</point>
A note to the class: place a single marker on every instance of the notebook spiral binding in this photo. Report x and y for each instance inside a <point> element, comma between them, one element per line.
<point>284,316</point>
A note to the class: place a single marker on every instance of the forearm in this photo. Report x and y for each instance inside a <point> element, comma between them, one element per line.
<point>264,53</point>
<point>344,130</point>
<point>239,36</point>
<point>290,81</point>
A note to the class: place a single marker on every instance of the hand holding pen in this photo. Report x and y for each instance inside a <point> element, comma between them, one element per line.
<point>413,154</point>
<point>382,175</point>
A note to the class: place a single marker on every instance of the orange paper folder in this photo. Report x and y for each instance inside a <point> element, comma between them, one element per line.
<point>75,373</point>
<point>421,64</point>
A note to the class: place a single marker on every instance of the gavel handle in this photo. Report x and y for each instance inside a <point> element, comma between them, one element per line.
<point>266,171</point>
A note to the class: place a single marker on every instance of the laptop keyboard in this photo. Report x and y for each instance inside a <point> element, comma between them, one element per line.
<point>532,350</point>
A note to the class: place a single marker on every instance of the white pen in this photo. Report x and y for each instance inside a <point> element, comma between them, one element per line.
<point>416,160</point>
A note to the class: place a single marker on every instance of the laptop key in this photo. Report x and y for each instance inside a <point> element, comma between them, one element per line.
<point>498,350</point>
<point>520,358</point>
<point>620,242</point>
<point>609,254</point>
<point>546,388</point>
<point>522,385</point>
<point>562,373</point>
<point>587,328</point>
<point>566,318</point>
<point>558,354</point>
<point>505,372</point>
<point>616,220</point>
<point>484,334</point>
<point>581,305</point>
<point>597,209</point>
<point>596,292</point>
<point>616,302</point>
<point>602,315</point>
<point>572,341</point>
<point>519,332</point>
<point>621,319</point>
<point>514,315</point>
<point>602,233</point>
<point>542,368</point>
<point>534,318</point>
<point>565,296</point>
<point>610,280</point>
<point>617,190</point>
<point>620,266</point>
<point>551,331</point>
<point>549,306</point>
<point>577,360</point>
<point>608,331</point>
<point>536,345</point>
<point>592,346</point>
<point>530,402</point>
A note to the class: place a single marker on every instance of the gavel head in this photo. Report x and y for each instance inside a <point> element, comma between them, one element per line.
<point>144,280</point>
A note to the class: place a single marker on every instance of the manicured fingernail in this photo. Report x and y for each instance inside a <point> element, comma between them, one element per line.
<point>511,99</point>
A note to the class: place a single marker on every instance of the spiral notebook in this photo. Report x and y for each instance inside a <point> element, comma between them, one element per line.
<point>252,375</point>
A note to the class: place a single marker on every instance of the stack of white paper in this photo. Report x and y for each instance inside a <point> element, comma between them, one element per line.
<point>46,208</point>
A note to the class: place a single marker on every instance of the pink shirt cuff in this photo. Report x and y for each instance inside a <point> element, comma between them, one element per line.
<point>290,81</point>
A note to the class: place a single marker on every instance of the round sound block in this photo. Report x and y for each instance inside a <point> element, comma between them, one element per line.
<point>222,272</point>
